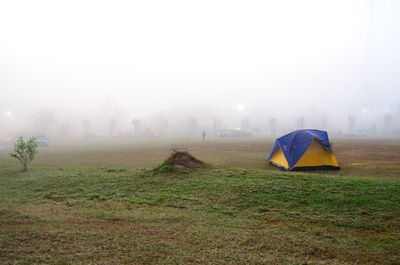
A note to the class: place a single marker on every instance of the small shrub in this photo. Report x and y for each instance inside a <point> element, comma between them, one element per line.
<point>110,170</point>
<point>165,169</point>
<point>25,151</point>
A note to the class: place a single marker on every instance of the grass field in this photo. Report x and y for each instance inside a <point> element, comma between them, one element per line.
<point>100,203</point>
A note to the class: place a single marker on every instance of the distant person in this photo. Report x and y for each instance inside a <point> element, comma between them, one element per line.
<point>203,135</point>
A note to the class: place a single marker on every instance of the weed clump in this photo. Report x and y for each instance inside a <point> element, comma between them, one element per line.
<point>112,170</point>
<point>180,160</point>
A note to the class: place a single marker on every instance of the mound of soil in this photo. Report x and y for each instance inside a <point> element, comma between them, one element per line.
<point>183,159</point>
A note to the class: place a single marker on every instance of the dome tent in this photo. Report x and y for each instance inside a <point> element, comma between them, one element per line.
<point>303,150</point>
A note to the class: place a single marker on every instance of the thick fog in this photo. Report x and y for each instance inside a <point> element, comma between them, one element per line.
<point>165,68</point>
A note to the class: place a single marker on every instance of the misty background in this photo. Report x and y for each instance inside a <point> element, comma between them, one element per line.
<point>165,68</point>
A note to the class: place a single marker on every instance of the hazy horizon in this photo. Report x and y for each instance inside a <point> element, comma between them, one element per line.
<point>177,60</point>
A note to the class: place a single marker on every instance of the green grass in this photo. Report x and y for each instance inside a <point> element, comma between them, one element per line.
<point>106,215</point>
<point>101,203</point>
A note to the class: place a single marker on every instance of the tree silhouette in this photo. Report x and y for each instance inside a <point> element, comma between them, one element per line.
<point>300,123</point>
<point>352,123</point>
<point>112,124</point>
<point>136,124</point>
<point>272,126</point>
<point>387,120</point>
<point>86,125</point>
<point>164,125</point>
<point>217,125</point>
<point>324,123</point>
<point>245,123</point>
<point>192,125</point>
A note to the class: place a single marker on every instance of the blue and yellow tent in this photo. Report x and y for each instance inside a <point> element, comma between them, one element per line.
<point>303,150</point>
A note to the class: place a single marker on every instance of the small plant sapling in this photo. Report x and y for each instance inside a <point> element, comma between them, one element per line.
<point>25,151</point>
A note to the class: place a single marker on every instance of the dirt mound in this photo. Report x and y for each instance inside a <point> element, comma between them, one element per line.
<point>182,159</point>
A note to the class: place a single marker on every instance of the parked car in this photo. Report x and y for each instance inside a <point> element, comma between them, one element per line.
<point>227,133</point>
<point>42,140</point>
<point>6,142</point>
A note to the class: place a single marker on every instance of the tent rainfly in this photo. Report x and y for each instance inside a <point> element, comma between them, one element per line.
<point>303,150</point>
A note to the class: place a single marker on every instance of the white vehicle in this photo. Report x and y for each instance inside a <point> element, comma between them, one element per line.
<point>42,140</point>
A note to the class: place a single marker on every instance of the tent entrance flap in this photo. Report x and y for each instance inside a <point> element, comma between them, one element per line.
<point>316,155</point>
<point>279,158</point>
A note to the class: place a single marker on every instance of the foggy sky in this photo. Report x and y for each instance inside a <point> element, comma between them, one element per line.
<point>203,57</point>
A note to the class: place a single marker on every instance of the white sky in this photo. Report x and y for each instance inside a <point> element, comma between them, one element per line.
<point>150,54</point>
